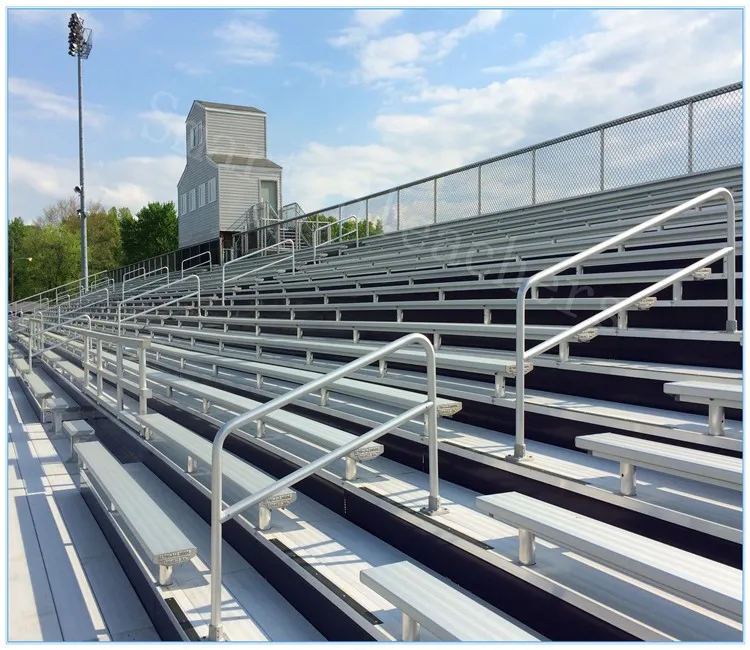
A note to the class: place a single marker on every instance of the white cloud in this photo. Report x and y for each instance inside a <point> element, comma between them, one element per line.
<point>401,56</point>
<point>194,70</point>
<point>133,19</point>
<point>365,22</point>
<point>35,18</point>
<point>518,39</point>
<point>246,42</point>
<point>164,128</point>
<point>40,102</point>
<point>625,64</point>
<point>318,70</point>
<point>129,182</point>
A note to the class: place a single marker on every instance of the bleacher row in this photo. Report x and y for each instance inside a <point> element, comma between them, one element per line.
<point>623,522</point>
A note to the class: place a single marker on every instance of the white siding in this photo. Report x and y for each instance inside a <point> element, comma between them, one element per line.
<point>239,189</point>
<point>239,134</point>
<point>202,223</point>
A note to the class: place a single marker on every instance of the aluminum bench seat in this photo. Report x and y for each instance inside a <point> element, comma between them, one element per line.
<point>38,386</point>
<point>76,431</point>
<point>533,332</point>
<point>243,477</point>
<point>305,428</point>
<point>425,601</point>
<point>21,365</point>
<point>357,388</point>
<point>699,392</point>
<point>715,586</point>
<point>718,396</point>
<point>404,287</point>
<point>164,543</point>
<point>693,464</point>
<point>568,304</point>
<point>493,365</point>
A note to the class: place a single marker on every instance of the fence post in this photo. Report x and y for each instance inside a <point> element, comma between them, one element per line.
<point>601,160</point>
<point>533,177</point>
<point>398,210</point>
<point>690,137</point>
<point>434,201</point>
<point>479,190</point>
<point>99,368</point>
<point>86,346</point>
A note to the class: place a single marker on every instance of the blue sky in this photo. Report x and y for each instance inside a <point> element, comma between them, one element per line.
<point>357,100</point>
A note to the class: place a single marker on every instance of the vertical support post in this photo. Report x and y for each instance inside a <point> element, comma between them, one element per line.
<point>143,402</point>
<point>32,325</point>
<point>398,210</point>
<point>431,416</point>
<point>690,139</point>
<point>627,479</point>
<point>729,265</point>
<point>526,547</point>
<point>409,629</point>
<point>519,450</point>
<point>119,377</point>
<point>601,160</point>
<point>86,346</point>
<point>84,241</point>
<point>99,368</point>
<point>479,190</point>
<point>715,419</point>
<point>533,177</point>
<point>434,201</point>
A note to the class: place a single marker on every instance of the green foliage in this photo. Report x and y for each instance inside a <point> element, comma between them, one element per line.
<point>152,232</point>
<point>365,229</point>
<point>114,237</point>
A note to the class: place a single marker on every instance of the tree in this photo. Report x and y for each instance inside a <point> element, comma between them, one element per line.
<point>152,232</point>
<point>365,228</point>
<point>17,258</point>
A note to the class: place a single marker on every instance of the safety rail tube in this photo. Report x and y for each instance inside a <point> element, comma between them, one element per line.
<point>197,293</point>
<point>194,266</point>
<point>37,331</point>
<point>328,226</point>
<point>281,245</point>
<point>219,516</point>
<point>145,275</point>
<point>54,290</point>
<point>728,254</point>
<point>134,273</point>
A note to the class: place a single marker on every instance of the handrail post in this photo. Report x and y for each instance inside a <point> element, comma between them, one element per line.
<point>519,448</point>
<point>119,377</point>
<point>428,408</point>
<point>143,401</point>
<point>730,264</point>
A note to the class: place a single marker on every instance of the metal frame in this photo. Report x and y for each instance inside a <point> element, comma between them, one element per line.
<point>280,245</point>
<point>328,226</point>
<point>210,262</point>
<point>36,334</point>
<point>522,355</point>
<point>219,516</point>
<point>121,320</point>
<point>145,275</point>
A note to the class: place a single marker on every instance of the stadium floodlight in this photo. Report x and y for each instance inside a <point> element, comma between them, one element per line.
<point>79,45</point>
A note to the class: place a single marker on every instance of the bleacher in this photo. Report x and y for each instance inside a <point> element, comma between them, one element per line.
<point>622,521</point>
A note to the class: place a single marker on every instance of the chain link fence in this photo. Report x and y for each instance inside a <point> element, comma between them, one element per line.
<point>695,134</point>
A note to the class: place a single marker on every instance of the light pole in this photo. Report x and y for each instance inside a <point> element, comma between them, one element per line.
<point>79,46</point>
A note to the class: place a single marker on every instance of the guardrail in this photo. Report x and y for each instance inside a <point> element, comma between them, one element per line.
<point>55,290</point>
<point>219,516</point>
<point>121,320</point>
<point>341,235</point>
<point>194,266</point>
<point>280,245</point>
<point>37,333</point>
<point>160,271</point>
<point>727,253</point>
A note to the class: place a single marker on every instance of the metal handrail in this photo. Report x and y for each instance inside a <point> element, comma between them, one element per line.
<point>79,282</point>
<point>121,320</point>
<point>40,332</point>
<point>210,264</point>
<point>519,450</point>
<point>133,273</point>
<point>145,275</point>
<point>327,226</point>
<point>218,517</point>
<point>280,244</point>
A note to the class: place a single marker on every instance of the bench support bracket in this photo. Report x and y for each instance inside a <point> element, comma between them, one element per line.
<point>409,628</point>
<point>627,480</point>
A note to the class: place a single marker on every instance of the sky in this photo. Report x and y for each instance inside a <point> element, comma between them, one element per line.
<point>357,100</point>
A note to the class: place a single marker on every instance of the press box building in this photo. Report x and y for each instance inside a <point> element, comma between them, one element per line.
<point>226,171</point>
